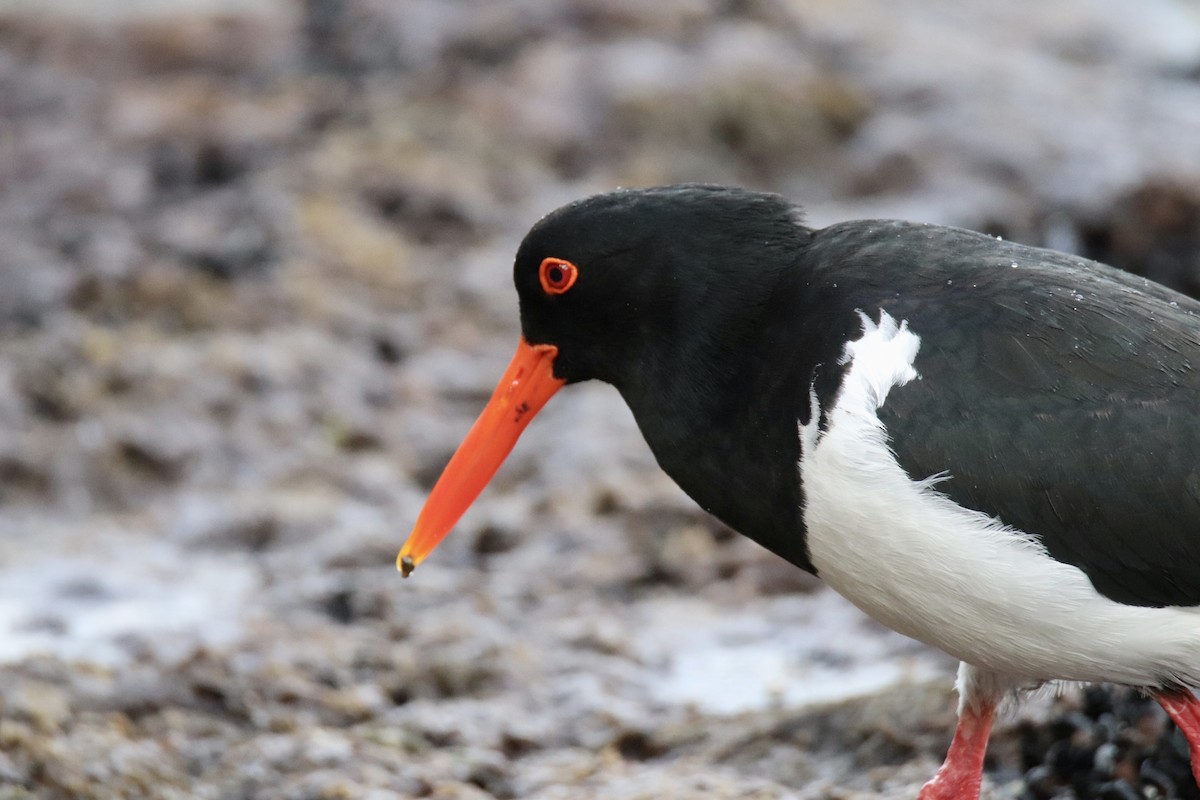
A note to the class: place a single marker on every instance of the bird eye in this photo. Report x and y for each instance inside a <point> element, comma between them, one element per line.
<point>557,275</point>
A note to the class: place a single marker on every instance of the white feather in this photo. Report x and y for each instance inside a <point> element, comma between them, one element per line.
<point>954,578</point>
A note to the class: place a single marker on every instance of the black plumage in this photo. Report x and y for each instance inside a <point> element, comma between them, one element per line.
<point>1057,394</point>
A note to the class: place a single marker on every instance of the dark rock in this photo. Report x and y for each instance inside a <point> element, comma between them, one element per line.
<point>1153,231</point>
<point>225,233</point>
<point>426,216</point>
<point>23,479</point>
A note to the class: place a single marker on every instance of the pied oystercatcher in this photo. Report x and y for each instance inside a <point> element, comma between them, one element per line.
<point>989,447</point>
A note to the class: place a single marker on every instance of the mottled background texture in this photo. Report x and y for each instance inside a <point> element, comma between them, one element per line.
<point>254,287</point>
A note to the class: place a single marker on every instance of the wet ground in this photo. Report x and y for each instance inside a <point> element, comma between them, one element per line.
<point>254,287</point>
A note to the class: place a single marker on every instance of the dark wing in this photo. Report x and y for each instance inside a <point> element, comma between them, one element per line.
<point>1061,397</point>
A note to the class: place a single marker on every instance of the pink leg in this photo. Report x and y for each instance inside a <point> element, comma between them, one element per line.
<point>1184,709</point>
<point>962,772</point>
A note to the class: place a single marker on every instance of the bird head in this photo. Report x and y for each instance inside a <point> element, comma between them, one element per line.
<point>616,287</point>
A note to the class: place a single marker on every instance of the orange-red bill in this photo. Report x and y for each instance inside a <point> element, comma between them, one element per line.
<point>526,386</point>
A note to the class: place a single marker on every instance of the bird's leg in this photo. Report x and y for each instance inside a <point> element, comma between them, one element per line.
<point>1184,709</point>
<point>960,775</point>
<point>962,772</point>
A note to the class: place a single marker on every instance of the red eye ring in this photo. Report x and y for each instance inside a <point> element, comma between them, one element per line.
<point>557,275</point>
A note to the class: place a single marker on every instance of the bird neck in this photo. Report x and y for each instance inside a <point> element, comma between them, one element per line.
<point>719,407</point>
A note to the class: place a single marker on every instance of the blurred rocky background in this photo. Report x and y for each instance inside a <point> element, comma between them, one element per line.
<point>254,287</point>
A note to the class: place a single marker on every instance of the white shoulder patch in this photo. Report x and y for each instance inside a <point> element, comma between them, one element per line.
<point>881,359</point>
